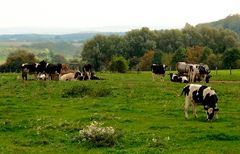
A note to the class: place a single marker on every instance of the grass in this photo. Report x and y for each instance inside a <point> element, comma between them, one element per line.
<point>45,117</point>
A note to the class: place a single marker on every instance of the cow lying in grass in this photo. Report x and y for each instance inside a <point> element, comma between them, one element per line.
<point>71,76</point>
<point>196,94</point>
<point>176,78</point>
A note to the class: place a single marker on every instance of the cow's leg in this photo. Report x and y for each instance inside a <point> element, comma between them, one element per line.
<point>194,109</point>
<point>24,75</point>
<point>162,77</point>
<point>153,76</point>
<point>186,106</point>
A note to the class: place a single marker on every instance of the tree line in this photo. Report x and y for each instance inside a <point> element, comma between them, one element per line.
<point>200,44</point>
<point>139,48</point>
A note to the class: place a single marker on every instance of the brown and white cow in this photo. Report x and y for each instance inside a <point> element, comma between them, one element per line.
<point>196,94</point>
<point>71,76</point>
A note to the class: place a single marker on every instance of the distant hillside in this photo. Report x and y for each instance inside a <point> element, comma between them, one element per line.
<point>76,37</point>
<point>231,22</point>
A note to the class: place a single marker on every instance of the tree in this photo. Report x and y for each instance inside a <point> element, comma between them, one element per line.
<point>194,54</point>
<point>230,58</point>
<point>146,60</point>
<point>58,58</point>
<point>179,56</point>
<point>16,59</point>
<point>119,64</point>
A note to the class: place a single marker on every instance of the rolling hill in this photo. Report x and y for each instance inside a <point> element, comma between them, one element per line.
<point>231,22</point>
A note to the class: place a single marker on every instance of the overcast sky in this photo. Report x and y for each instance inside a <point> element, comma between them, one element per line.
<point>56,16</point>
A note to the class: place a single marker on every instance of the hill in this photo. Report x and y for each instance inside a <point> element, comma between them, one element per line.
<point>75,37</point>
<point>231,22</point>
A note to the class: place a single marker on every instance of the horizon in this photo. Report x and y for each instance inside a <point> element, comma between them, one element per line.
<point>74,16</point>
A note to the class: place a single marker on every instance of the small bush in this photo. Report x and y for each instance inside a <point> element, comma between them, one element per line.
<point>98,135</point>
<point>119,64</point>
<point>77,91</point>
<point>83,90</point>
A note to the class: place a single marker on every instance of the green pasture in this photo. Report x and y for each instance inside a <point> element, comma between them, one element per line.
<point>40,117</point>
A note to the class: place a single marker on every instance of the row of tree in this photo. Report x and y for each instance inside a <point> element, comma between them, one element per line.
<point>139,48</point>
<point>191,44</point>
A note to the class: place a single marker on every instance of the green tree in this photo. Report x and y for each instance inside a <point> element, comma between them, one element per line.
<point>58,58</point>
<point>230,57</point>
<point>16,59</point>
<point>119,64</point>
<point>179,56</point>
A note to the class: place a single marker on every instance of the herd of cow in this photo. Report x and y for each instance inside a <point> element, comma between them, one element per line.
<point>48,71</point>
<point>186,72</point>
<point>195,94</point>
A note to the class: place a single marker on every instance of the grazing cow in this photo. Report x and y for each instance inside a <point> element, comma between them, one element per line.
<point>158,69</point>
<point>71,76</point>
<point>87,70</point>
<point>196,94</point>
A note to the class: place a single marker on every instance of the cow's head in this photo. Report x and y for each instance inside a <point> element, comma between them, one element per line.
<point>210,102</point>
<point>78,75</point>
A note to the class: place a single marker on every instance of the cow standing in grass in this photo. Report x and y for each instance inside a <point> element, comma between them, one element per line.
<point>158,69</point>
<point>196,94</point>
<point>32,68</point>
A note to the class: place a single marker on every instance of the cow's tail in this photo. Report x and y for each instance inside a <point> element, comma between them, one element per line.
<point>185,90</point>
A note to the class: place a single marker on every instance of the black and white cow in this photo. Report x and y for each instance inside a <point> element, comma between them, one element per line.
<point>158,69</point>
<point>53,70</point>
<point>196,94</point>
<point>28,68</point>
<point>176,78</point>
<point>173,77</point>
<point>87,70</point>
<point>183,79</point>
<point>31,68</point>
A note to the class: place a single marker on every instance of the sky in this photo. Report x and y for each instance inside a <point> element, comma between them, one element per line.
<point>68,16</point>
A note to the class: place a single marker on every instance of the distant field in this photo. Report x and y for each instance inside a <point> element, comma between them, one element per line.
<point>13,44</point>
<point>35,116</point>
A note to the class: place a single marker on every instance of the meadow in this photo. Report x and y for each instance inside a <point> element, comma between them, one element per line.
<point>40,117</point>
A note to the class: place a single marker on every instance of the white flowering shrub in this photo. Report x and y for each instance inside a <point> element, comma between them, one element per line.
<point>98,135</point>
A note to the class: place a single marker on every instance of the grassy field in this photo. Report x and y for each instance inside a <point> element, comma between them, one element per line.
<point>40,117</point>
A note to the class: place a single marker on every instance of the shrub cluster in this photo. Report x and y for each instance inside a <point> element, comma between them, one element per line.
<point>84,90</point>
<point>98,135</point>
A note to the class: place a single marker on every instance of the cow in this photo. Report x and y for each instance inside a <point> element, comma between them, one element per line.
<point>158,69</point>
<point>194,72</point>
<point>42,76</point>
<point>176,78</point>
<point>196,94</point>
<point>53,71</point>
<point>173,77</point>
<point>28,68</point>
<point>183,79</point>
<point>71,76</point>
<point>87,70</point>
<point>199,73</point>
